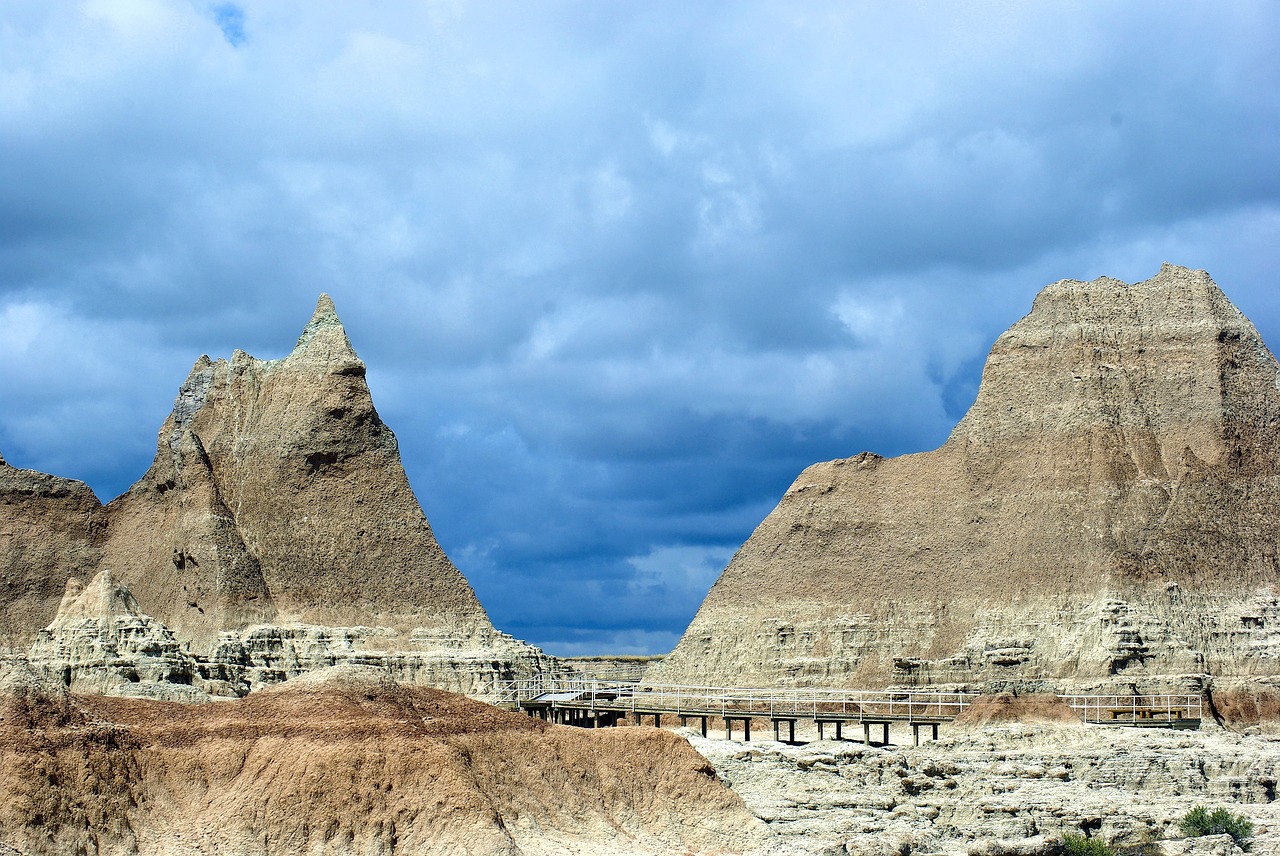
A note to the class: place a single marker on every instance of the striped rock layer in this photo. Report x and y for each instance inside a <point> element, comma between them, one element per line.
<point>274,533</point>
<point>1107,513</point>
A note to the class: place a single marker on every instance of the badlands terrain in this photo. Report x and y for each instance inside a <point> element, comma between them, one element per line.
<point>346,761</point>
<point>1004,789</point>
<point>260,648</point>
<point>274,533</point>
<point>1103,517</point>
<point>343,761</point>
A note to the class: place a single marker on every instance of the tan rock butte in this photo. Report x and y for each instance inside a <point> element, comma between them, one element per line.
<point>1104,516</point>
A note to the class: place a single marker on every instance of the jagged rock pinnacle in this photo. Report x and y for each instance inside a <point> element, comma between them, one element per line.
<point>324,337</point>
<point>277,494</point>
<point>103,597</point>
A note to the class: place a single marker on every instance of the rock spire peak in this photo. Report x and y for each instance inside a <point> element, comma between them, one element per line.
<point>326,313</point>
<point>325,333</point>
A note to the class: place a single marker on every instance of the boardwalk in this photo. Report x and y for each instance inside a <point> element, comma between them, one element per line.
<point>594,703</point>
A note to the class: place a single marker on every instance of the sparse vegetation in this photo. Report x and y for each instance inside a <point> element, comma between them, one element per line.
<point>1078,845</point>
<point>1200,821</point>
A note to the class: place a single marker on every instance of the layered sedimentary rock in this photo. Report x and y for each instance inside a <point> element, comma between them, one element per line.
<point>340,763</point>
<point>101,642</point>
<point>277,494</point>
<point>466,661</point>
<point>1106,512</point>
<point>1006,789</point>
<point>274,533</point>
<point>49,531</point>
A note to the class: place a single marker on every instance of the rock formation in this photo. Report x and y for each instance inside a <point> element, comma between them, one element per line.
<point>1105,513</point>
<point>1007,789</point>
<point>101,642</point>
<point>274,533</point>
<point>344,762</point>
<point>277,494</point>
<point>49,531</point>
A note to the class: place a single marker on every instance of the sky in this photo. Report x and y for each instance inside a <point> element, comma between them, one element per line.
<point>619,271</point>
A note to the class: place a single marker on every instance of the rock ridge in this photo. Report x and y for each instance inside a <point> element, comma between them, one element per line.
<point>50,529</point>
<point>1103,516</point>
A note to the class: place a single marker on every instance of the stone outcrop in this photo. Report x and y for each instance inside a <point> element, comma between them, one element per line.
<point>1005,790</point>
<point>460,661</point>
<point>345,762</point>
<point>50,530</point>
<point>101,642</point>
<point>277,496</point>
<point>274,533</point>
<point>1104,514</point>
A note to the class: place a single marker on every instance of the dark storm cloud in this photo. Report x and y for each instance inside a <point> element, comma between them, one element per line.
<point>619,271</point>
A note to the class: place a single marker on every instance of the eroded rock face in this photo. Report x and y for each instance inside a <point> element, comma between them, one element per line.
<point>101,642</point>
<point>346,762</point>
<point>50,529</point>
<point>462,662</point>
<point>277,496</point>
<point>274,533</point>
<point>1011,789</point>
<point>1105,513</point>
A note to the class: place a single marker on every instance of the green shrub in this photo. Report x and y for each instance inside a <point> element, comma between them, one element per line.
<point>1078,845</point>
<point>1200,821</point>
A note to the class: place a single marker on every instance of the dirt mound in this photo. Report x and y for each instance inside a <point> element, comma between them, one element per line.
<point>1004,708</point>
<point>350,764</point>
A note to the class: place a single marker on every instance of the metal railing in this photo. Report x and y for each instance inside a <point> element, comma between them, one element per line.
<point>1139,709</point>
<point>812,703</point>
<point>804,703</point>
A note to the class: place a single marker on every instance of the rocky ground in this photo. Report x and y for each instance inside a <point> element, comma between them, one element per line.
<point>1004,789</point>
<point>345,761</point>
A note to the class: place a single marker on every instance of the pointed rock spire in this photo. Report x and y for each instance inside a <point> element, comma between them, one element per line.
<point>326,315</point>
<point>324,340</point>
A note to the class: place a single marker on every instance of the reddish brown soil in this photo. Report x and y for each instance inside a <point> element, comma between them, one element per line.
<point>344,768</point>
<point>1038,709</point>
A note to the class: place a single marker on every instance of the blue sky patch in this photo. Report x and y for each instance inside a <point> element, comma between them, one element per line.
<point>230,19</point>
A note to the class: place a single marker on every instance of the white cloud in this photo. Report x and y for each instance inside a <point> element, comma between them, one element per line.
<point>870,321</point>
<point>634,253</point>
<point>20,325</point>
<point>682,573</point>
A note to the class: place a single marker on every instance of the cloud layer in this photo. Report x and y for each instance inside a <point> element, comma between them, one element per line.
<point>619,271</point>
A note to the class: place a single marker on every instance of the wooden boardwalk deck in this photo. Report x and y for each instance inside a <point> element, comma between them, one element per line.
<point>595,703</point>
